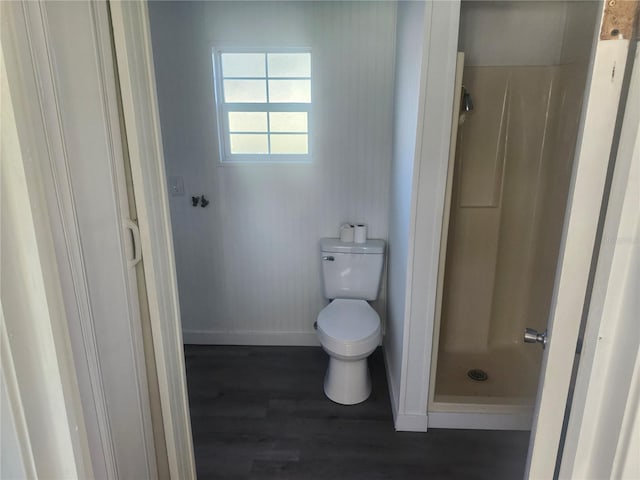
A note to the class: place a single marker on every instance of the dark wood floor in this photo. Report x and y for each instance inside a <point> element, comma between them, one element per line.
<point>260,412</point>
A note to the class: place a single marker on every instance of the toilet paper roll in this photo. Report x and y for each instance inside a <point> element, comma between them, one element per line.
<point>346,232</point>
<point>360,233</point>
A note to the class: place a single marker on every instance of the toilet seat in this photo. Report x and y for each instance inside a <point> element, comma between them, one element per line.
<point>349,327</point>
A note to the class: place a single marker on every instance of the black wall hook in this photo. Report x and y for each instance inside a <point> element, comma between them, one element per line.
<point>204,202</point>
<point>195,201</point>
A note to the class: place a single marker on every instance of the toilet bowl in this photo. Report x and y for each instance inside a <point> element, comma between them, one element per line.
<point>348,328</point>
<point>349,331</point>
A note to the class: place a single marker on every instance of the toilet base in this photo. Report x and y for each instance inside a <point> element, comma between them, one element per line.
<point>347,381</point>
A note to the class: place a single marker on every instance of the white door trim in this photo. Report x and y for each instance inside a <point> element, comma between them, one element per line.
<point>437,80</point>
<point>134,57</point>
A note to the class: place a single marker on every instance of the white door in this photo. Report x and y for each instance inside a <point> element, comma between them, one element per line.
<point>591,162</point>
<point>134,57</point>
<point>67,49</point>
<point>603,432</point>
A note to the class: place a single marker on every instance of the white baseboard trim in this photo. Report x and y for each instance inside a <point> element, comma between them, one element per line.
<point>411,423</point>
<point>480,421</point>
<point>402,422</point>
<point>208,337</point>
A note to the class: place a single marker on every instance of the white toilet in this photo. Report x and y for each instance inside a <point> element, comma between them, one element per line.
<point>348,328</point>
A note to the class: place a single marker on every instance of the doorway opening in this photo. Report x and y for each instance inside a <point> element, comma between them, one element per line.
<point>583,260</point>
<point>518,118</point>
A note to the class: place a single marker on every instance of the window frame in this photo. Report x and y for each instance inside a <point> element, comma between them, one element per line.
<point>223,108</point>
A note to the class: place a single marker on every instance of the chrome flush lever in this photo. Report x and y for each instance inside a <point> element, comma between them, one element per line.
<point>328,258</point>
<point>532,336</point>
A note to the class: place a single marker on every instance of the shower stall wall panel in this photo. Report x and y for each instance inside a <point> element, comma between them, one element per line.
<point>511,180</point>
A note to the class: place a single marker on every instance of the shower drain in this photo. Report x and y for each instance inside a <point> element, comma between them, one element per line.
<point>477,375</point>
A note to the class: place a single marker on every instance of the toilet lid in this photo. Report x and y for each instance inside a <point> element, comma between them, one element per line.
<point>349,320</point>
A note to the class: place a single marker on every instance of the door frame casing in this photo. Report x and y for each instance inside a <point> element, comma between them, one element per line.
<point>134,58</point>
<point>133,50</point>
<point>437,79</point>
<point>446,217</point>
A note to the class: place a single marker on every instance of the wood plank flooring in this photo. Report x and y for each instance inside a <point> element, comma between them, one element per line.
<point>260,413</point>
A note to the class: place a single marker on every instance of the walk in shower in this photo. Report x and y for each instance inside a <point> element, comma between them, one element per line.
<point>518,124</point>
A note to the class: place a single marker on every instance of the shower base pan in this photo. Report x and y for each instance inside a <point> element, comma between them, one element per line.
<point>495,390</point>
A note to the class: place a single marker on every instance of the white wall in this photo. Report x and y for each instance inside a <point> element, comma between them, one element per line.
<point>248,265</point>
<point>409,49</point>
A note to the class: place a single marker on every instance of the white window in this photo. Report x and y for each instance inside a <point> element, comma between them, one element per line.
<point>263,101</point>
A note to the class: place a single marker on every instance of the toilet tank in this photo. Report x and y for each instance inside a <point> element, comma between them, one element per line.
<point>351,270</point>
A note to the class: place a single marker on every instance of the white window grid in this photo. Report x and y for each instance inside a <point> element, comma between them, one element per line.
<point>223,108</point>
